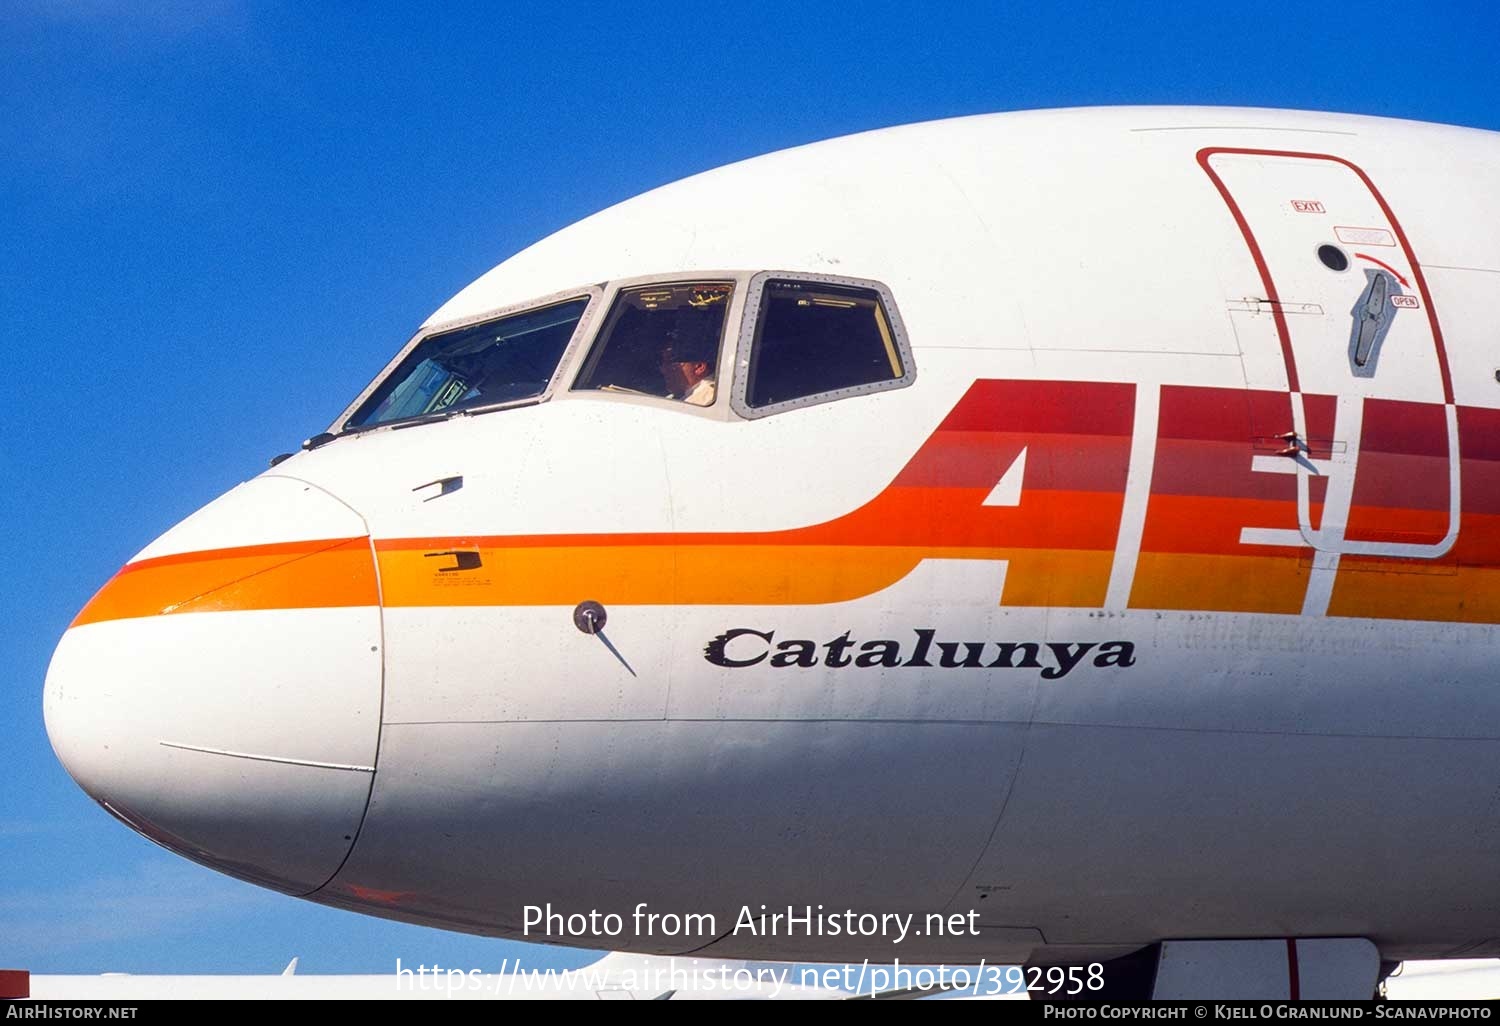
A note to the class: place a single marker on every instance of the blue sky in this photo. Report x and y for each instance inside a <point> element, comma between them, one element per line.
<point>218,219</point>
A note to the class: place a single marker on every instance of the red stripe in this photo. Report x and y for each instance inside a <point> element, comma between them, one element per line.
<point>1397,426</point>
<point>15,983</point>
<point>1382,263</point>
<point>1041,407</point>
<point>1216,470</point>
<point>292,550</point>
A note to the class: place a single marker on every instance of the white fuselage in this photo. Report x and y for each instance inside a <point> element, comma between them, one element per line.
<point>1150,670</point>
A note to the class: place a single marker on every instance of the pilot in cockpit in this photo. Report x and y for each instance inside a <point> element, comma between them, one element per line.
<point>661,340</point>
<point>688,358</point>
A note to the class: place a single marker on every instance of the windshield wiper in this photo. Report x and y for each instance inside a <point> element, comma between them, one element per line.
<point>425,418</point>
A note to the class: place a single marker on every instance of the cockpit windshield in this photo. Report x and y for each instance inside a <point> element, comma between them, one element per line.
<point>500,361</point>
<point>661,340</point>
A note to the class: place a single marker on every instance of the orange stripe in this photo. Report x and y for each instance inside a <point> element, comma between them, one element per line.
<point>651,574</point>
<point>746,569</point>
<point>725,574</point>
<point>719,575</point>
<point>1231,584</point>
<point>1410,590</point>
<point>1057,577</point>
<point>304,575</point>
<point>1212,524</point>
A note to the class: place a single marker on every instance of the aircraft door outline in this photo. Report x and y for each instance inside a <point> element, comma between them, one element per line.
<point>1382,358</point>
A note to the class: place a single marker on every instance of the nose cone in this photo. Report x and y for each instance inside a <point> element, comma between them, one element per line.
<point>222,694</point>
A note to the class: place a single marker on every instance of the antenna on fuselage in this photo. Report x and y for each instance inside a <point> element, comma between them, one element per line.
<point>590,617</point>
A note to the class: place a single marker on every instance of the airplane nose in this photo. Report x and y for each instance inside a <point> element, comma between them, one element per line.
<point>221,695</point>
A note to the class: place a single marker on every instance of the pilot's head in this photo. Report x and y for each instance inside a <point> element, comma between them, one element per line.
<point>689,354</point>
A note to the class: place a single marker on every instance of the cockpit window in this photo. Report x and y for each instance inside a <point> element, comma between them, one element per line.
<point>815,338</point>
<point>501,361</point>
<point>661,340</point>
